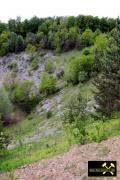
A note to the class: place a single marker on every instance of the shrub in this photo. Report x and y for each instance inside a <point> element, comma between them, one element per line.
<point>25,95</point>
<point>49,66</point>
<point>34,64</point>
<point>83,76</point>
<point>75,117</point>
<point>12,65</point>
<point>4,49</point>
<point>48,84</point>
<point>87,62</point>
<point>5,105</point>
<point>80,67</point>
<point>72,70</point>
<point>30,48</point>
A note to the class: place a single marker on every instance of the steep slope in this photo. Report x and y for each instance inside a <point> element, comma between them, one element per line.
<point>71,165</point>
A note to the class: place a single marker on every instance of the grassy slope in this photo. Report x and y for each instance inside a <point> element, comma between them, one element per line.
<point>57,142</point>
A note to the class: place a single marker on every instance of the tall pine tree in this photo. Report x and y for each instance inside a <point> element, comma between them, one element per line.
<point>107,83</point>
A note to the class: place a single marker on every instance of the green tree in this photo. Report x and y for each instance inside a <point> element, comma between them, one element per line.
<point>108,83</point>
<point>4,45</point>
<point>19,44</point>
<point>12,42</point>
<point>79,68</point>
<point>75,117</point>
<point>87,37</point>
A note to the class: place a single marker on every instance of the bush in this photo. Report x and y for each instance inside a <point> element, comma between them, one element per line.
<point>5,105</point>
<point>80,67</point>
<point>48,84</point>
<point>12,65</point>
<point>30,48</point>
<point>72,70</point>
<point>83,76</point>
<point>34,64</point>
<point>25,95</point>
<point>4,49</point>
<point>75,117</point>
<point>49,66</point>
<point>87,62</point>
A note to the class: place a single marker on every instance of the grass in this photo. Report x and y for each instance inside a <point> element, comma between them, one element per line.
<point>55,144</point>
<point>25,127</point>
<point>98,131</point>
<point>28,154</point>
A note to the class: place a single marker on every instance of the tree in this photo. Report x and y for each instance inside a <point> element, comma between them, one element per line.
<point>75,117</point>
<point>3,27</point>
<point>19,44</point>
<point>87,37</point>
<point>31,38</point>
<point>4,45</point>
<point>80,67</point>
<point>12,42</point>
<point>107,95</point>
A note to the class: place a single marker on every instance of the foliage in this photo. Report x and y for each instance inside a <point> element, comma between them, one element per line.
<point>12,65</point>
<point>28,154</point>
<point>4,46</point>
<point>87,37</point>
<point>30,48</point>
<point>5,105</point>
<point>48,84</point>
<point>4,138</point>
<point>20,45</point>
<point>25,95</point>
<point>31,38</point>
<point>75,117</point>
<point>49,66</point>
<point>34,63</point>
<point>72,70</point>
<point>58,33</point>
<point>108,83</point>
<point>80,67</point>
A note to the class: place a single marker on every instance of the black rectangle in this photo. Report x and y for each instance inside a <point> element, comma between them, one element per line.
<point>102,168</point>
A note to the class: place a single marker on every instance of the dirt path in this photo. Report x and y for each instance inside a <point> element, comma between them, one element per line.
<point>72,165</point>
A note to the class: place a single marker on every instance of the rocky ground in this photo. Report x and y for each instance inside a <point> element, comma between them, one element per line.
<point>23,69</point>
<point>71,165</point>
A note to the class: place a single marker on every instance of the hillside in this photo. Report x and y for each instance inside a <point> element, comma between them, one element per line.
<point>72,164</point>
<point>35,133</point>
<point>59,96</point>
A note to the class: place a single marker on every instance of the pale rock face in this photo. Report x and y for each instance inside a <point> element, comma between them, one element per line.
<point>23,70</point>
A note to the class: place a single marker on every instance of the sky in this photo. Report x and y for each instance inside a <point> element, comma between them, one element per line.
<point>44,8</point>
